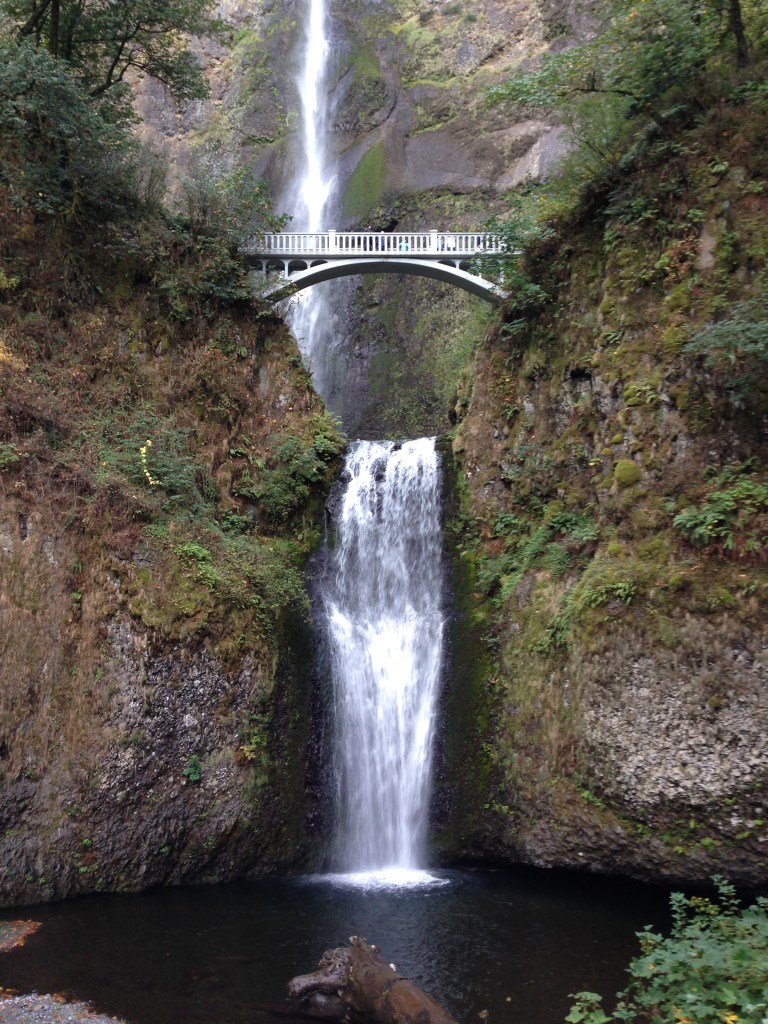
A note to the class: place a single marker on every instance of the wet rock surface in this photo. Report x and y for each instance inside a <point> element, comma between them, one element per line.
<point>163,795</point>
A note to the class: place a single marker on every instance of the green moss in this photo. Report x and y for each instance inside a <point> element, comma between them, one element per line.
<point>626,472</point>
<point>673,339</point>
<point>364,188</point>
<point>679,299</point>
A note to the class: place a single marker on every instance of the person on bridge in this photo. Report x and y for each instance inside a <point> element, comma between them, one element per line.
<point>369,244</point>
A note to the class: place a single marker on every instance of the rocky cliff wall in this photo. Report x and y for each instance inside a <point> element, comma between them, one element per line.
<point>614,531</point>
<point>409,80</point>
<point>161,481</point>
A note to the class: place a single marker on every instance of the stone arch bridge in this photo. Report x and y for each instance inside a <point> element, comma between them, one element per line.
<point>306,258</point>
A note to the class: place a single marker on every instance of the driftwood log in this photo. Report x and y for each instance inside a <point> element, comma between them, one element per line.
<point>353,983</point>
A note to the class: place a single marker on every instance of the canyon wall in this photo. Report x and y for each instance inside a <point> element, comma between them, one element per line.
<point>161,486</point>
<point>607,673</point>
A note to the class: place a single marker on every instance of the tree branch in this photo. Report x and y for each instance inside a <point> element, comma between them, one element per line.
<point>35,20</point>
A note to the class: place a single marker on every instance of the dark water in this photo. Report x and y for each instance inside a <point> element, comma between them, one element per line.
<point>512,943</point>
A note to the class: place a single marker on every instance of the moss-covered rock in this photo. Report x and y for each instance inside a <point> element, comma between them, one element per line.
<point>625,472</point>
<point>161,488</point>
<point>622,579</point>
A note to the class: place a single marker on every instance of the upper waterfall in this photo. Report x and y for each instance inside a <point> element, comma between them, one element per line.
<point>311,188</point>
<point>315,181</point>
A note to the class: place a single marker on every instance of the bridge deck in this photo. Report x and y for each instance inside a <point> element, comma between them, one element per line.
<point>350,244</point>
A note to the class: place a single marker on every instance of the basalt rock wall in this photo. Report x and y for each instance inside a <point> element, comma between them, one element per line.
<point>610,545</point>
<point>156,652</point>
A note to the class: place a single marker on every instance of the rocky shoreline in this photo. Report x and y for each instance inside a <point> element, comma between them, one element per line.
<point>48,1009</point>
<point>34,1008</point>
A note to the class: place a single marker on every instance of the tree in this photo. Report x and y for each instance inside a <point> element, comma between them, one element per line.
<point>652,62</point>
<point>65,77</point>
<point>60,153</point>
<point>646,48</point>
<point>219,199</point>
<point>106,40</point>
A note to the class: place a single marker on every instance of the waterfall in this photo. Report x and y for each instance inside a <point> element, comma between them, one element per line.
<point>383,594</point>
<point>383,608</point>
<point>312,187</point>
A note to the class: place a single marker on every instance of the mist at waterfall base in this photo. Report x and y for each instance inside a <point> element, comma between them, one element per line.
<point>514,943</point>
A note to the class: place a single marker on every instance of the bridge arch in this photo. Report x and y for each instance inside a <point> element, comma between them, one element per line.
<point>304,259</point>
<point>299,278</point>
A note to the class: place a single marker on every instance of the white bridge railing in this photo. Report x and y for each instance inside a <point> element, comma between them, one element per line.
<point>341,244</point>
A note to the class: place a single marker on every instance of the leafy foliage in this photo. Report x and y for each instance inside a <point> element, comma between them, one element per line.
<point>736,348</point>
<point>9,455</point>
<point>104,41</point>
<point>65,112</point>
<point>652,62</point>
<point>59,153</point>
<point>228,202</point>
<point>221,209</point>
<point>713,966</point>
<point>557,544</point>
<point>295,467</point>
<point>178,481</point>
<point>647,47</point>
<point>194,770</point>
<point>519,229</point>
<point>732,519</point>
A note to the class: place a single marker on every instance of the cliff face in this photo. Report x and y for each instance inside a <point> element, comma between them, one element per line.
<point>614,531</point>
<point>409,80</point>
<point>162,471</point>
<point>414,145</point>
<point>161,477</point>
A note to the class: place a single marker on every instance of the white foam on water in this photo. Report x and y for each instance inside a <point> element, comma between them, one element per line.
<point>386,878</point>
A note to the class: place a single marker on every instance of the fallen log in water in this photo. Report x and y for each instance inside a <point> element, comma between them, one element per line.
<point>353,983</point>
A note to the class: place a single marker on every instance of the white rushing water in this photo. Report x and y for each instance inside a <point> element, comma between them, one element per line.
<point>312,186</point>
<point>383,604</point>
<point>382,601</point>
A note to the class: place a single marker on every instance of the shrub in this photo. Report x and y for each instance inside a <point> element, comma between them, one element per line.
<point>296,466</point>
<point>168,465</point>
<point>9,455</point>
<point>194,770</point>
<point>713,966</point>
<point>60,154</point>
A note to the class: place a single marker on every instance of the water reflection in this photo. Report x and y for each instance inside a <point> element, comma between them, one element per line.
<point>515,944</point>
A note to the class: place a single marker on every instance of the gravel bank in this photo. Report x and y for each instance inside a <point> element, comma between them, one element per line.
<point>49,1010</point>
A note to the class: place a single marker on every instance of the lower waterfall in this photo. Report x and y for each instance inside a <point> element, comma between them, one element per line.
<point>382,602</point>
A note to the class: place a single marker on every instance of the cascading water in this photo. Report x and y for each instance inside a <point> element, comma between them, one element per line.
<point>383,606</point>
<point>310,191</point>
<point>382,598</point>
